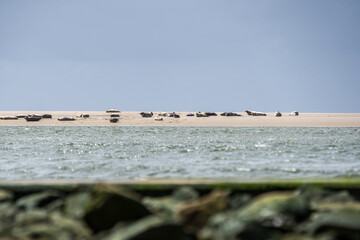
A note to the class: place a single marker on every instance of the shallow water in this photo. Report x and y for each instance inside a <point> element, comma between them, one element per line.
<point>178,152</point>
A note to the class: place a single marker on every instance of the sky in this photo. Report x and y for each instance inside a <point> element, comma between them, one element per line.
<point>180,55</point>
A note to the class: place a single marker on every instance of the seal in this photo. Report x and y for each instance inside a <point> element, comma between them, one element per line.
<point>199,114</point>
<point>46,116</point>
<point>146,115</point>
<point>66,119</point>
<point>295,113</point>
<point>33,118</point>
<point>254,113</point>
<point>112,111</point>
<point>230,114</point>
<point>114,119</point>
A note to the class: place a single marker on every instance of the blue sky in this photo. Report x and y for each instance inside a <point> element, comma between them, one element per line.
<point>180,55</point>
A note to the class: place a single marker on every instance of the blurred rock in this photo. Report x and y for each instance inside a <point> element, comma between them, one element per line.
<point>6,195</point>
<point>343,223</point>
<point>38,200</point>
<point>185,194</point>
<point>167,206</point>
<point>227,226</point>
<point>194,214</point>
<point>239,200</point>
<point>276,209</point>
<point>104,206</point>
<point>39,224</point>
<point>151,227</point>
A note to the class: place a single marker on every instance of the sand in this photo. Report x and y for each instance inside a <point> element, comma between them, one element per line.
<point>101,118</point>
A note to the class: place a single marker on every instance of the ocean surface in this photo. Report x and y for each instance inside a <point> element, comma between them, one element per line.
<point>178,152</point>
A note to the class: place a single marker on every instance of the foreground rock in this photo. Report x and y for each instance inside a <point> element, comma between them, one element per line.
<point>105,206</point>
<point>109,212</point>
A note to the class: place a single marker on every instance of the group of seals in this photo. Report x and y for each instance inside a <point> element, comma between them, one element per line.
<point>114,117</point>
<point>29,118</point>
<point>169,114</point>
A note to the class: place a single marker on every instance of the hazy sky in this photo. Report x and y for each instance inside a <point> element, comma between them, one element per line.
<point>180,55</point>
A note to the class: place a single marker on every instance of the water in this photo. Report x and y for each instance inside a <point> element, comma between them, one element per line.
<point>178,152</point>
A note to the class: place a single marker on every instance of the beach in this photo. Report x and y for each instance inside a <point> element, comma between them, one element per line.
<point>101,118</point>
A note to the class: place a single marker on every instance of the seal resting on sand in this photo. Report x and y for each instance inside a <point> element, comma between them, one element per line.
<point>254,113</point>
<point>21,116</point>
<point>66,119</point>
<point>33,118</point>
<point>112,111</point>
<point>295,113</point>
<point>46,116</point>
<point>146,115</point>
<point>199,114</point>
<point>9,118</point>
<point>114,119</point>
<point>277,114</point>
<point>229,114</point>
<point>158,118</point>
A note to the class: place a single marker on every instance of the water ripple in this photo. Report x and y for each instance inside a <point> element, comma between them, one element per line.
<point>178,152</point>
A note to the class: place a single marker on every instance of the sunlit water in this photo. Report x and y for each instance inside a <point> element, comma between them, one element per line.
<point>178,152</point>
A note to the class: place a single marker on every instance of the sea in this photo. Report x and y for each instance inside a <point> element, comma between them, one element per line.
<point>125,153</point>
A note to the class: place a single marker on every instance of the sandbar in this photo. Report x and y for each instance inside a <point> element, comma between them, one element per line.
<point>101,118</point>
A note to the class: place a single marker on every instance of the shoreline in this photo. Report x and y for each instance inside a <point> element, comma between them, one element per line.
<point>101,118</point>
